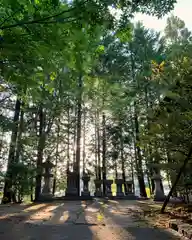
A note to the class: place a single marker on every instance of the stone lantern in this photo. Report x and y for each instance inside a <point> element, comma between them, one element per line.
<point>158,192</point>
<point>98,192</point>
<point>108,190</point>
<point>47,167</point>
<point>129,185</point>
<point>71,190</point>
<point>86,179</point>
<point>119,184</point>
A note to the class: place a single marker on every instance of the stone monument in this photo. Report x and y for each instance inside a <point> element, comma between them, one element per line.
<point>86,179</point>
<point>98,192</point>
<point>46,191</point>
<point>158,192</point>
<point>108,184</point>
<point>71,184</point>
<point>119,187</point>
<point>129,185</point>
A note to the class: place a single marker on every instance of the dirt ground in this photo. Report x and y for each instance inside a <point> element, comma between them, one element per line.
<point>91,220</point>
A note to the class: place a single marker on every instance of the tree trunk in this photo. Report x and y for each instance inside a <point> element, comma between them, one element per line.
<point>104,151</point>
<point>40,148</point>
<point>68,140</point>
<point>171,175</point>
<point>7,195</point>
<point>136,123</point>
<point>182,169</point>
<point>78,145</point>
<point>19,149</point>
<point>1,143</point>
<point>116,172</point>
<point>19,146</point>
<point>122,159</point>
<point>132,173</point>
<point>140,174</point>
<point>56,160</point>
<point>74,139</point>
<point>84,140</point>
<point>149,148</point>
<point>98,146</point>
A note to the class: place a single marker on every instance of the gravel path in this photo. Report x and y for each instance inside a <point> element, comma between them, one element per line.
<point>78,220</point>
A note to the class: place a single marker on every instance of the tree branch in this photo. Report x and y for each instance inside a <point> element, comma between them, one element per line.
<point>177,179</point>
<point>42,20</point>
<point>6,19</point>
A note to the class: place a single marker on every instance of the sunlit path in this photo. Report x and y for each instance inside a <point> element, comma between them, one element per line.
<point>97,220</point>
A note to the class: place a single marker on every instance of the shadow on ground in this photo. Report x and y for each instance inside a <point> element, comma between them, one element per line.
<point>133,221</point>
<point>19,226</point>
<point>79,220</point>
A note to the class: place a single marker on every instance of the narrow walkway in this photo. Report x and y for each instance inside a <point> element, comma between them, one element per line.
<point>80,220</point>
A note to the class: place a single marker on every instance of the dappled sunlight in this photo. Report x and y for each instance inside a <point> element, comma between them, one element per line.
<point>111,231</point>
<point>44,214</point>
<point>6,216</point>
<point>18,210</point>
<point>135,223</point>
<point>65,217</point>
<point>34,207</point>
<point>113,201</point>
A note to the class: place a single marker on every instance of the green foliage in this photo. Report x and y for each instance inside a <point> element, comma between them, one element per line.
<point>46,46</point>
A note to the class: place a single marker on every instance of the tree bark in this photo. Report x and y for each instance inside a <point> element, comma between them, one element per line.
<point>40,148</point>
<point>19,146</point>
<point>132,173</point>
<point>56,160</point>
<point>182,169</point>
<point>68,139</point>
<point>104,151</point>
<point>78,143</point>
<point>7,194</point>
<point>98,146</point>
<point>140,174</point>
<point>74,140</point>
<point>122,159</point>
<point>84,140</point>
